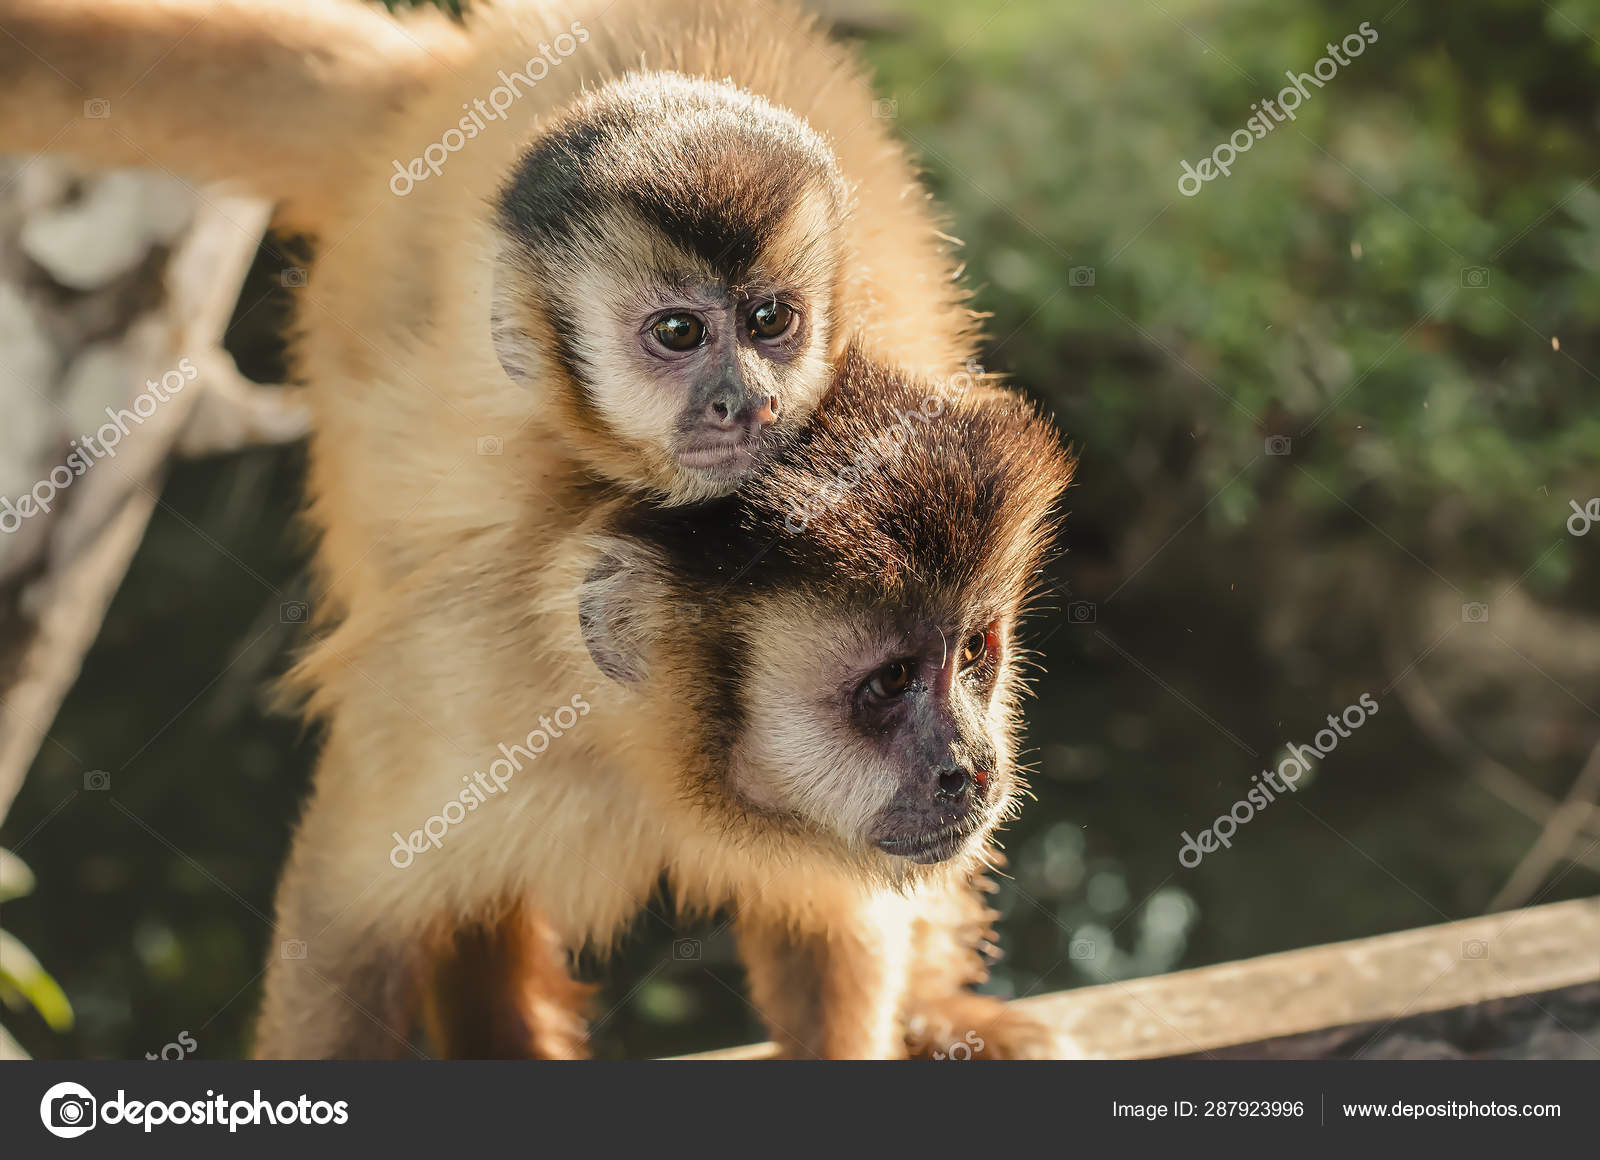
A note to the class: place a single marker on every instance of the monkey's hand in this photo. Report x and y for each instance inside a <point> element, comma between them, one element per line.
<point>968,1026</point>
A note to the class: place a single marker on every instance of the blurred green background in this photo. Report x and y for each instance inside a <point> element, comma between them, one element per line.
<point>1332,411</point>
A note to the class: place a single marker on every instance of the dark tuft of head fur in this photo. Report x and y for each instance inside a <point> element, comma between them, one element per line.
<point>900,494</point>
<point>714,168</point>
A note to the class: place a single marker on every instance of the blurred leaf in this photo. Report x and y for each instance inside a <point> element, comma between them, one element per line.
<point>20,973</point>
<point>16,879</point>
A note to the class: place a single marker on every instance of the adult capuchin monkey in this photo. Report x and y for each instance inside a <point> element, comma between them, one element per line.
<point>808,721</point>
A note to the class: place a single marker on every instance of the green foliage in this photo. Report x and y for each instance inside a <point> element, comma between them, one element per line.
<point>21,976</point>
<point>1325,291</point>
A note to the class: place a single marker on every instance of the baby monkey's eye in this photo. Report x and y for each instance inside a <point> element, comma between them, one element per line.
<point>771,320</point>
<point>679,332</point>
<point>891,680</point>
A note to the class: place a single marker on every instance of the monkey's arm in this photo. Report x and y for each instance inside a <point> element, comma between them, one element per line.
<point>884,979</point>
<point>343,980</point>
<point>502,991</point>
<point>945,1017</point>
<point>278,94</point>
<point>333,996</point>
<point>830,991</point>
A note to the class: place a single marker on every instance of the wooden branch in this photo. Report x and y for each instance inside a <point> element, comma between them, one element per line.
<point>1495,777</point>
<point>233,413</point>
<point>1559,838</point>
<point>1368,981</point>
<point>60,569</point>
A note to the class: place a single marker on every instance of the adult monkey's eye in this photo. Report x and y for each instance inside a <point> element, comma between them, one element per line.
<point>891,680</point>
<point>771,320</point>
<point>679,332</point>
<point>981,646</point>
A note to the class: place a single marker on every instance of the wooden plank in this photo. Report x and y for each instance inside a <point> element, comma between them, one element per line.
<point>1371,980</point>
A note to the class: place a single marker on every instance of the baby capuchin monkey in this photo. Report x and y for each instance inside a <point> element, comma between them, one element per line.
<point>671,256</point>
<point>635,233</point>
<point>809,721</point>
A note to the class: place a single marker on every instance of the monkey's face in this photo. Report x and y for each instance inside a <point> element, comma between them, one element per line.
<point>706,376</point>
<point>669,257</point>
<point>891,732</point>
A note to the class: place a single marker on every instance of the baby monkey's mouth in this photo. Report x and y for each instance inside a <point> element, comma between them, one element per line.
<point>726,455</point>
<point>729,456</point>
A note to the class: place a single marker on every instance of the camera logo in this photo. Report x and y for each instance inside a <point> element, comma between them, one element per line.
<point>886,108</point>
<point>491,445</point>
<point>68,1110</point>
<point>96,779</point>
<point>1474,277</point>
<point>1279,445</point>
<point>97,108</point>
<point>1475,948</point>
<point>686,950</point>
<point>1080,276</point>
<point>293,611</point>
<point>292,277</point>
<point>1475,613</point>
<point>1082,612</point>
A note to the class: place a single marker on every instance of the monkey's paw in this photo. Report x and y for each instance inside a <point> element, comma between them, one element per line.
<point>967,1026</point>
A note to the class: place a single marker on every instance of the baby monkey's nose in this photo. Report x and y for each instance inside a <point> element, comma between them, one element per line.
<point>755,414</point>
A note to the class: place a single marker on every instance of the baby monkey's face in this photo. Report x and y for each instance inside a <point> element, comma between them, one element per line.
<point>707,375</point>
<point>681,373</point>
<point>670,255</point>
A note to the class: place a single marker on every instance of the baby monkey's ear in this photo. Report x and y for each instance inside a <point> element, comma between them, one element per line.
<point>510,308</point>
<point>621,603</point>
